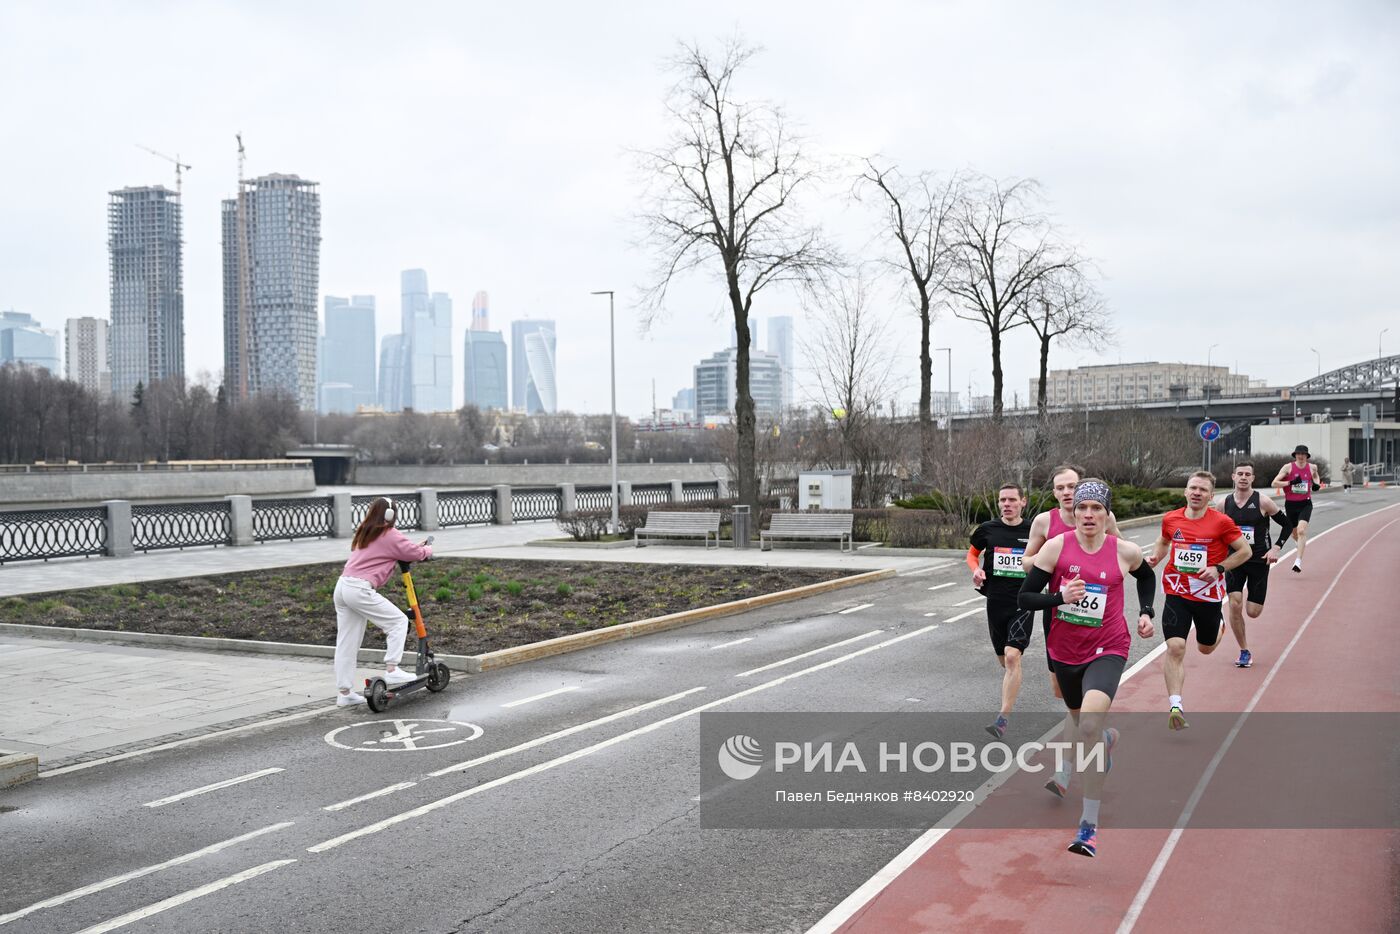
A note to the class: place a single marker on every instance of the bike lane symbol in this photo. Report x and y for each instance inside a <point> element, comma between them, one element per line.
<point>402,735</point>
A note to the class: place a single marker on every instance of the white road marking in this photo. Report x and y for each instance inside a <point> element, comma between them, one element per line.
<point>529,700</point>
<point>176,901</point>
<point>926,569</point>
<point>568,731</point>
<point>972,612</point>
<point>725,645</point>
<point>852,609</point>
<point>942,585</point>
<point>597,747</point>
<point>796,658</point>
<point>160,802</point>
<point>970,600</point>
<point>1159,865</point>
<point>930,614</point>
<point>373,794</point>
<point>138,873</point>
<point>318,712</point>
<point>408,735</point>
<point>877,883</point>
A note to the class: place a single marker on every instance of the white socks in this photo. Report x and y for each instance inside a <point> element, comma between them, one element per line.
<point>1175,701</point>
<point>1091,812</point>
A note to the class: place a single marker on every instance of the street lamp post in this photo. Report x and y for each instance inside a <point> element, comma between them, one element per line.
<point>1319,361</point>
<point>612,378</point>
<point>948,402</point>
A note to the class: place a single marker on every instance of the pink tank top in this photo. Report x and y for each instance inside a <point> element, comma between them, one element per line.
<point>1057,528</point>
<point>1298,477</point>
<point>1095,626</point>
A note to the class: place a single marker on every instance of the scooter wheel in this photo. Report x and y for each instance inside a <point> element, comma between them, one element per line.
<point>438,676</point>
<point>377,696</point>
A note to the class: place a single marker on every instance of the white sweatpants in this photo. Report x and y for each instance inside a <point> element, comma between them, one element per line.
<point>357,603</point>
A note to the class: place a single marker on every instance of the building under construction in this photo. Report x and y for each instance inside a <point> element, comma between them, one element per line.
<point>147,336</point>
<point>272,254</point>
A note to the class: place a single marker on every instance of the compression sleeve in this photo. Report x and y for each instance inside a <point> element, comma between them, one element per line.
<point>1146,586</point>
<point>1285,527</point>
<point>974,558</point>
<point>1031,598</point>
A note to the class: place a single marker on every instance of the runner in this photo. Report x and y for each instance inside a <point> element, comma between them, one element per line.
<point>999,544</point>
<point>1299,481</point>
<point>1251,511</point>
<point>1204,544</point>
<point>1089,638</point>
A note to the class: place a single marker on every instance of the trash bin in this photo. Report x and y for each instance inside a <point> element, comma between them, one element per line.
<point>741,522</point>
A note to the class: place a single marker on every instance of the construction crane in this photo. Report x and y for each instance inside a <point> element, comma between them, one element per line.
<point>179,167</point>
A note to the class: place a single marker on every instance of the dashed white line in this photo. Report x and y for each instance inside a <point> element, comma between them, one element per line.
<point>529,700</point>
<point>930,614</point>
<point>160,802</point>
<point>176,901</point>
<point>852,609</point>
<point>796,658</point>
<point>926,569</point>
<point>970,600</point>
<point>725,645</point>
<point>138,873</point>
<point>596,747</point>
<point>373,794</point>
<point>942,585</point>
<point>972,612</point>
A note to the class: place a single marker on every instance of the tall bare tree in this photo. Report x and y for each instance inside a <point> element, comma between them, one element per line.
<point>1005,246</point>
<point>723,197</point>
<point>917,215</point>
<point>1065,304</point>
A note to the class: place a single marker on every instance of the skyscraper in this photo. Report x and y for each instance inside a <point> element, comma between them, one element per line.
<point>481,305</point>
<point>426,327</point>
<point>717,383</point>
<point>348,354</point>
<point>391,373</point>
<point>484,360</point>
<point>85,354</point>
<point>23,341</point>
<point>272,271</point>
<point>780,345</point>
<point>532,387</point>
<point>147,336</point>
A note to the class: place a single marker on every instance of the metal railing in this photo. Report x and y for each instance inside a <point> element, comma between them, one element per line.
<point>466,507</point>
<point>408,509</point>
<point>651,494</point>
<point>158,467</point>
<point>40,534</point>
<point>696,492</point>
<point>529,503</point>
<point>278,519</point>
<point>593,497</point>
<point>180,525</point>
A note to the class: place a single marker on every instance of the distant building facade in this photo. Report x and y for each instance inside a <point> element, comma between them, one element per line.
<point>533,386</point>
<point>85,354</point>
<point>23,341</point>
<point>1129,383</point>
<point>717,380</point>
<point>147,334</point>
<point>347,359</point>
<point>484,375</point>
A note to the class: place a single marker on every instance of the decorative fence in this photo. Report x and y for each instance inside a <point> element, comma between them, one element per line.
<point>593,497</point>
<point>278,519</point>
<point>651,494</point>
<point>535,502</point>
<point>696,492</point>
<point>53,533</point>
<point>180,525</point>
<point>407,509</point>
<point>466,507</point>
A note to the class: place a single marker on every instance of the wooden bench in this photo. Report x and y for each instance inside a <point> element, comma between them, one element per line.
<point>679,525</point>
<point>809,525</point>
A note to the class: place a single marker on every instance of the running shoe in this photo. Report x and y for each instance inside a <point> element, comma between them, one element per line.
<point>349,700</point>
<point>1245,660</point>
<point>399,676</point>
<point>1055,788</point>
<point>1086,842</point>
<point>1110,738</point>
<point>1176,719</point>
<point>1297,566</point>
<point>998,729</point>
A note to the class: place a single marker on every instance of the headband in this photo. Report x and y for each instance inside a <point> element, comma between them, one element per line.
<point>1093,490</point>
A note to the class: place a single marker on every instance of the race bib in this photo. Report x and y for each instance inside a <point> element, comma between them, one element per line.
<point>1300,486</point>
<point>1248,531</point>
<point>1006,562</point>
<point>1189,559</point>
<point>1089,610</point>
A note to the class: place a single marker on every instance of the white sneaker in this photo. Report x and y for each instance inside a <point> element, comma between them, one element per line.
<point>399,676</point>
<point>350,700</point>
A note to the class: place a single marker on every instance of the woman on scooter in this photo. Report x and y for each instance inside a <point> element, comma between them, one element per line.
<point>374,552</point>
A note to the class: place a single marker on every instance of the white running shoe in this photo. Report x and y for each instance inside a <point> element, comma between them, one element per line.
<point>350,700</point>
<point>399,676</point>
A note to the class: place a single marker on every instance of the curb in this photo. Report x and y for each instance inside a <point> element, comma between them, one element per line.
<point>473,664</point>
<point>570,543</point>
<point>16,768</point>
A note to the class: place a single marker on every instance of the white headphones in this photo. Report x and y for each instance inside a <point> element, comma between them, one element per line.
<point>389,510</point>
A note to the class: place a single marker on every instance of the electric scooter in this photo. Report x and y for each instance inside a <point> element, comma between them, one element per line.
<point>431,674</point>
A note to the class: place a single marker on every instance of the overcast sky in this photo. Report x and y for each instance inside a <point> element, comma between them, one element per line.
<point>1233,168</point>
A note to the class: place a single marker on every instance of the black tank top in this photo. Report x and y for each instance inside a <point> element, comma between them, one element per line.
<point>1251,520</point>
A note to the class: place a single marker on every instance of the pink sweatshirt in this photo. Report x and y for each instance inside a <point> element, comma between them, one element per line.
<point>377,560</point>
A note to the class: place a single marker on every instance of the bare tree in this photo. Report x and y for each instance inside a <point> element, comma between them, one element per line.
<point>723,197</point>
<point>1005,247</point>
<point>1064,304</point>
<point>917,214</point>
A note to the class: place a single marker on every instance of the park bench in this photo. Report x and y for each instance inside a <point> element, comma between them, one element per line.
<point>808,525</point>
<point>679,525</point>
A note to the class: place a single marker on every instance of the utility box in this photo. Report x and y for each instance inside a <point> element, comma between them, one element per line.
<point>824,489</point>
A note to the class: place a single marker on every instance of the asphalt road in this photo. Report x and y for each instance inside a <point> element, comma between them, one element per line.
<point>566,802</point>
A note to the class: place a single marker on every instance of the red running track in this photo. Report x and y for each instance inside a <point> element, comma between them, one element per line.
<point>1347,659</point>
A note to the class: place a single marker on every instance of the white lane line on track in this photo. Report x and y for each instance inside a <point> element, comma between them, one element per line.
<point>852,609</point>
<point>176,901</point>
<point>1159,865</point>
<point>972,612</point>
<point>970,600</point>
<point>853,903</point>
<point>725,645</point>
<point>530,700</point>
<point>942,585</point>
<point>797,658</point>
<point>373,794</point>
<point>205,789</point>
<point>597,747</point>
<point>302,715</point>
<point>568,731</point>
<point>138,873</point>
<point>930,614</point>
<point>926,569</point>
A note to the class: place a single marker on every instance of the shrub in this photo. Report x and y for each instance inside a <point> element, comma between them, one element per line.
<point>585,526</point>
<point>564,590</point>
<point>1128,502</point>
<point>442,594</point>
<point>474,592</point>
<point>514,588</point>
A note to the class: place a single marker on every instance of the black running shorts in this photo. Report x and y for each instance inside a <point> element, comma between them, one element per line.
<point>1179,614</point>
<point>1102,674</point>
<point>1253,576</point>
<point>1008,625</point>
<point>1045,631</point>
<point>1298,511</point>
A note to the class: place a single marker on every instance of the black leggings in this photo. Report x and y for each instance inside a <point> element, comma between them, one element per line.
<point>1102,674</point>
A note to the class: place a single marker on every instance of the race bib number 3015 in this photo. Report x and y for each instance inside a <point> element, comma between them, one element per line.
<point>1006,562</point>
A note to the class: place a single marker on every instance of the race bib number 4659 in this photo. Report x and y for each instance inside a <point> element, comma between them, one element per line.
<point>1006,562</point>
<point>1089,610</point>
<point>1189,559</point>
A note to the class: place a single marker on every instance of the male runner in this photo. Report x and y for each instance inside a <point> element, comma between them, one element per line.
<point>1299,480</point>
<point>1000,543</point>
<point>1204,544</point>
<point>1089,638</point>
<point>1251,511</point>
